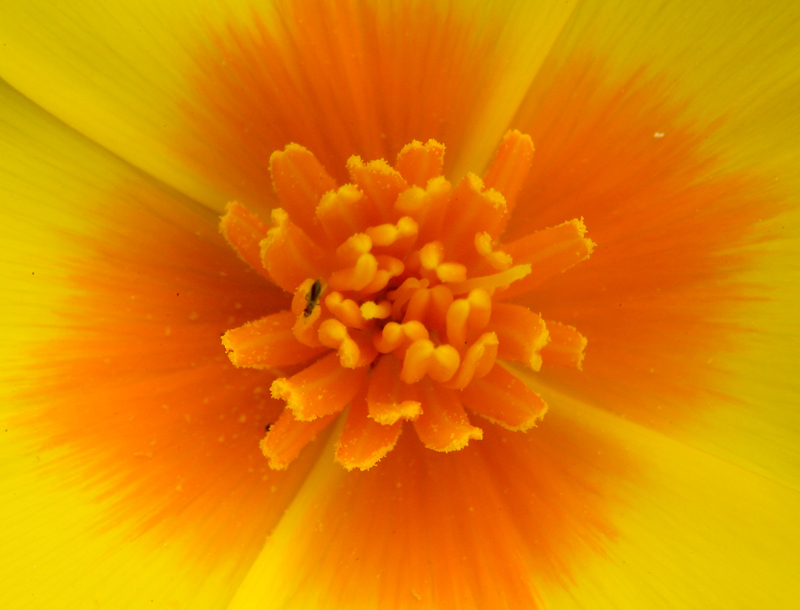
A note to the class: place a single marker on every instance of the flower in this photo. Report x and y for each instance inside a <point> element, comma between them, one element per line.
<point>663,474</point>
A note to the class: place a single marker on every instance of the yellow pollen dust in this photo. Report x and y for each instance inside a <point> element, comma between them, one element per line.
<point>399,309</point>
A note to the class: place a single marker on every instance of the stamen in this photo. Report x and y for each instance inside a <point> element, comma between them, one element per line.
<point>444,363</point>
<point>496,260</point>
<point>472,208</point>
<point>414,331</point>
<point>550,252</point>
<point>415,363</point>
<point>364,441</point>
<point>431,216</point>
<point>387,234</point>
<point>566,346</point>
<point>388,398</point>
<point>503,399</point>
<point>244,230</point>
<point>353,248</point>
<point>412,200</point>
<point>388,267</point>
<point>344,212</point>
<point>492,282</point>
<point>396,337</point>
<point>419,162</point>
<point>477,362</point>
<point>380,182</point>
<point>289,255</point>
<point>287,437</point>
<point>451,272</point>
<point>306,326</point>
<point>443,425</point>
<point>402,295</point>
<point>423,358</point>
<point>371,310</point>
<point>441,299</point>
<point>389,339</point>
<point>456,322</point>
<point>352,352</point>
<point>418,305</point>
<point>521,332</point>
<point>267,342</point>
<point>299,181</point>
<point>346,310</point>
<point>480,309</point>
<point>511,166</point>
<point>323,388</point>
<point>431,255</point>
<point>356,277</point>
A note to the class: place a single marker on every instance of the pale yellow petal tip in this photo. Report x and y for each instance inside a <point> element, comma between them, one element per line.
<point>366,462</point>
<point>582,354</point>
<point>379,166</point>
<point>282,389</point>
<point>409,410</point>
<point>535,359</point>
<point>524,426</point>
<point>225,219</point>
<point>273,463</point>
<point>497,200</point>
<point>417,145</point>
<point>460,441</point>
<point>579,224</point>
<point>229,349</point>
<point>292,147</point>
<point>535,362</point>
<point>520,138</point>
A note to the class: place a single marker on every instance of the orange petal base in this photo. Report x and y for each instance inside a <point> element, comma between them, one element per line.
<point>398,281</point>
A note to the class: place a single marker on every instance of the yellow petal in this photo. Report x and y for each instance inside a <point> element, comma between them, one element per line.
<point>114,75</point>
<point>696,531</point>
<point>129,450</point>
<point>711,290</point>
<point>130,78</point>
<point>737,65</point>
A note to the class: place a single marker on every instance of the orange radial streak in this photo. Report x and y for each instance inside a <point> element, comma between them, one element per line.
<point>267,342</point>
<point>334,78</point>
<point>566,346</point>
<point>290,255</point>
<point>288,436</point>
<point>363,441</point>
<point>549,252</point>
<point>244,231</point>
<point>159,426</point>
<point>443,424</point>
<point>522,334</point>
<point>324,387</point>
<point>300,181</point>
<point>389,399</point>
<point>504,400</point>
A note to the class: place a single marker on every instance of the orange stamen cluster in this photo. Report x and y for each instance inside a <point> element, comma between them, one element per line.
<point>399,285</point>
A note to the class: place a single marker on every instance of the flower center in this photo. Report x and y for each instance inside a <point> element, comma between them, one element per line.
<point>400,298</point>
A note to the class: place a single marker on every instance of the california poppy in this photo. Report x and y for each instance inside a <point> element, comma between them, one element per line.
<point>151,374</point>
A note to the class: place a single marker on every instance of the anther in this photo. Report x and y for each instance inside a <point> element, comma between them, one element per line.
<point>346,310</point>
<point>356,277</point>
